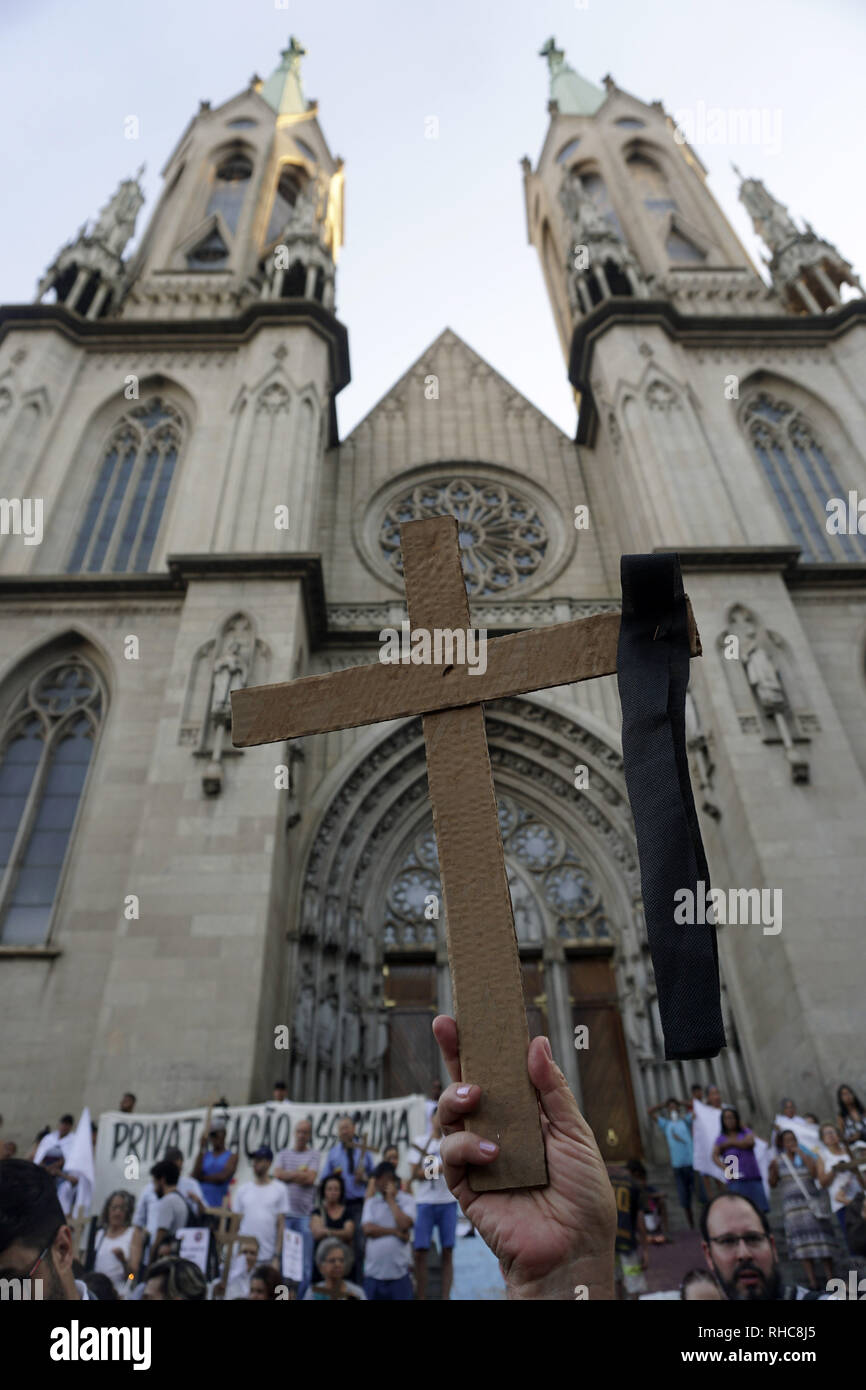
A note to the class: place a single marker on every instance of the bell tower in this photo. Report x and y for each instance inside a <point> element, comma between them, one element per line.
<point>719,416</point>
<point>246,179</point>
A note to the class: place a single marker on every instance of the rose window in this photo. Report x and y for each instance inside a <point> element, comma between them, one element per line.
<point>502,537</point>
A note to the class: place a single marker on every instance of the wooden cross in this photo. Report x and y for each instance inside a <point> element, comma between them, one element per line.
<point>482,944</point>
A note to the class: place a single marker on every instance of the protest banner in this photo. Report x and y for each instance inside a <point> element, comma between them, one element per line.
<point>127,1146</point>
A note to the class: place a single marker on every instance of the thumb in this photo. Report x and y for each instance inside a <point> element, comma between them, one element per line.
<point>554,1092</point>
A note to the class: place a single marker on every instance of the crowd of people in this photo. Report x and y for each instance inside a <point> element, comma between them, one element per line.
<point>354,1215</point>
<point>365,1230</point>
<point>816,1169</point>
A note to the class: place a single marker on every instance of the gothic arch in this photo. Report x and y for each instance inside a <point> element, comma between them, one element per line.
<point>53,707</point>
<point>77,489</point>
<point>811,466</point>
<point>373,805</point>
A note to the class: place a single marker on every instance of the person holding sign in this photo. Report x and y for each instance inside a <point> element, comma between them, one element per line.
<point>436,1208</point>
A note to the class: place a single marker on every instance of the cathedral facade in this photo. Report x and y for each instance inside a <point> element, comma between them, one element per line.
<point>181,519</point>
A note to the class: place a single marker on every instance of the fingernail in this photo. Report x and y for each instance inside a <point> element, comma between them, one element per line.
<point>463,1090</point>
<point>486,1147</point>
<point>547,1048</point>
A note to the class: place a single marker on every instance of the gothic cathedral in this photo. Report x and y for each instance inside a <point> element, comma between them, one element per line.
<point>181,518</point>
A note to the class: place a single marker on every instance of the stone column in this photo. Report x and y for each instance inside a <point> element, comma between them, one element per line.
<point>807,297</point>
<point>824,279</point>
<point>310,286</point>
<point>80,281</point>
<point>98,300</point>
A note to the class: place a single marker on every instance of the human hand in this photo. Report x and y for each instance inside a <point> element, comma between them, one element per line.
<point>547,1239</point>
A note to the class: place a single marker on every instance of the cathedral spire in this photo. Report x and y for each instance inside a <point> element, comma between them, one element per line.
<point>807,272</point>
<point>283,89</point>
<point>88,273</point>
<point>573,95</point>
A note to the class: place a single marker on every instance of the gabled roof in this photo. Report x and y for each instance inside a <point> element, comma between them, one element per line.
<point>449,345</point>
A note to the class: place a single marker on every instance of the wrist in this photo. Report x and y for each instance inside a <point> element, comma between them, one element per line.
<point>594,1273</point>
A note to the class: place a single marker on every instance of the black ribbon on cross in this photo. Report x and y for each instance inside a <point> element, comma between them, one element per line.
<point>653,672</point>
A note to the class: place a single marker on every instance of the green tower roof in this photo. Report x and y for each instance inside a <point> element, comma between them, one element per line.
<point>572,93</point>
<point>283,89</point>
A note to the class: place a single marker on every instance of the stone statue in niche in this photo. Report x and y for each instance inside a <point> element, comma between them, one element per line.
<point>375,1033</point>
<point>698,744</point>
<point>231,670</point>
<point>767,688</point>
<point>302,1033</point>
<point>331,928</point>
<point>326,1022</point>
<point>230,673</point>
<point>310,911</point>
<point>351,1026</point>
<point>354,933</point>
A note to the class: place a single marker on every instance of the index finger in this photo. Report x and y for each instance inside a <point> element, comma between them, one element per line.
<point>445,1033</point>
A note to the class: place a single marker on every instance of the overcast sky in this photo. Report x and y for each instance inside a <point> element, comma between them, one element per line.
<point>435,229</point>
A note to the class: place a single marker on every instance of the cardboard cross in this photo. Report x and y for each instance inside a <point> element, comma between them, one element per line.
<point>482,944</point>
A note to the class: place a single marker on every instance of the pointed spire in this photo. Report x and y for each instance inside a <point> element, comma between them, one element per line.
<point>283,89</point>
<point>573,95</point>
<point>805,269</point>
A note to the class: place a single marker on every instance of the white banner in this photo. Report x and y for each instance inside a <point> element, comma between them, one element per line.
<point>705,1132</point>
<point>806,1134</point>
<point>127,1146</point>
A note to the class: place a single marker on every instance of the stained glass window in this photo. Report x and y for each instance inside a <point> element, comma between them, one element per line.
<point>122,517</point>
<point>45,752</point>
<point>802,478</point>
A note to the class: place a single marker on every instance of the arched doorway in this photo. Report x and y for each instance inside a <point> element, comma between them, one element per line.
<point>369,966</point>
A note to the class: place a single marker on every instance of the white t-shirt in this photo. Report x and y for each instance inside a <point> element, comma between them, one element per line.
<point>106,1261</point>
<point>429,1189</point>
<point>260,1204</point>
<point>843,1185</point>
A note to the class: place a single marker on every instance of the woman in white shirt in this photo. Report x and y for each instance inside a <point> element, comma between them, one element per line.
<point>114,1239</point>
<point>838,1171</point>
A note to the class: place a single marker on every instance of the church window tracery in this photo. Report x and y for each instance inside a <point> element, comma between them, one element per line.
<point>552,892</point>
<point>801,476</point>
<point>120,525</point>
<point>503,539</point>
<point>45,752</point>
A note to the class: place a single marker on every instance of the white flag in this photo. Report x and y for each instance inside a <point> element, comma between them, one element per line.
<point>79,1160</point>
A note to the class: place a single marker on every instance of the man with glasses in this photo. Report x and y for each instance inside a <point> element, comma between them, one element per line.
<point>35,1241</point>
<point>742,1254</point>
